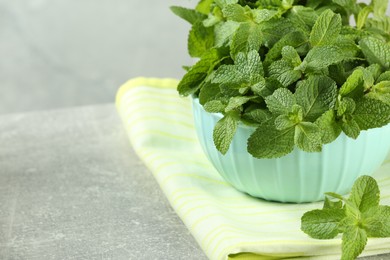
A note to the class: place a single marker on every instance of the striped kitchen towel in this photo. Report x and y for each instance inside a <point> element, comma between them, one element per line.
<point>225,222</point>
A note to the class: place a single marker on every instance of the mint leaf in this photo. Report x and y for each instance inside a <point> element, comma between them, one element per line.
<point>246,71</point>
<point>359,218</point>
<point>268,142</point>
<point>236,102</point>
<point>246,38</point>
<point>192,80</point>
<point>379,7</point>
<point>321,57</point>
<point>303,17</point>
<point>200,39</point>
<point>281,101</point>
<point>284,72</point>
<point>214,106</point>
<point>291,55</point>
<point>308,137</point>
<point>208,92</point>
<point>295,39</point>
<point>224,33</point>
<point>354,240</point>
<point>364,193</point>
<point>326,29</point>
<point>350,127</point>
<point>223,3</point>
<point>354,83</point>
<point>322,224</point>
<point>377,221</point>
<point>256,115</point>
<point>316,95</point>
<point>362,16</point>
<point>371,113</point>
<point>190,15</point>
<point>329,128</point>
<point>224,132</point>
<point>376,51</point>
<point>204,6</point>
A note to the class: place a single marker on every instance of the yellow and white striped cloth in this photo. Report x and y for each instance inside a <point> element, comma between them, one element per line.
<point>226,223</point>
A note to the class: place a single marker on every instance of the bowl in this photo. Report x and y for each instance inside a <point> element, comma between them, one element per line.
<point>299,176</point>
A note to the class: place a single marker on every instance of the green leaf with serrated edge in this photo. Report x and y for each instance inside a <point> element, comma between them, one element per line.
<point>275,30</point>
<point>362,16</point>
<point>321,57</point>
<point>291,55</point>
<point>346,106</point>
<point>347,45</point>
<point>283,122</point>
<point>329,204</point>
<point>263,15</point>
<point>294,39</point>
<point>236,12</point>
<point>364,193</point>
<point>246,38</point>
<point>379,25</point>
<point>208,92</point>
<point>385,76</point>
<point>224,132</point>
<point>379,7</point>
<point>374,70</point>
<point>307,137</point>
<point>293,118</point>
<point>329,128</point>
<point>223,3</point>
<point>190,15</point>
<point>214,106</point>
<point>302,17</point>
<point>322,224</point>
<point>344,3</point>
<point>281,101</point>
<point>204,6</point>
<point>268,142</point>
<point>353,82</point>
<point>316,95</point>
<point>354,240</point>
<point>350,127</point>
<point>376,51</point>
<point>192,80</point>
<point>284,72</point>
<point>224,33</point>
<point>200,39</point>
<point>326,29</point>
<point>257,115</point>
<point>246,71</point>
<point>236,102</point>
<point>377,221</point>
<point>371,113</point>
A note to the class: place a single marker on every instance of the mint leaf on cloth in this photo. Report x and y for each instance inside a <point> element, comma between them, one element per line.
<point>225,222</point>
<point>360,217</point>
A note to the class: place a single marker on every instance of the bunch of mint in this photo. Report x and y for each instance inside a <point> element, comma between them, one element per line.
<point>357,218</point>
<point>295,70</point>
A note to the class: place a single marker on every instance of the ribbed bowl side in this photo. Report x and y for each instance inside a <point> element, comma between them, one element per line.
<point>299,176</point>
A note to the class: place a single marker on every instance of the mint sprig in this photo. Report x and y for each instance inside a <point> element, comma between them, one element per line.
<point>296,71</point>
<point>356,218</point>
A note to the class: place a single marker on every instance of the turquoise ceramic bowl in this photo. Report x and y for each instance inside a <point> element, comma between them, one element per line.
<point>299,176</point>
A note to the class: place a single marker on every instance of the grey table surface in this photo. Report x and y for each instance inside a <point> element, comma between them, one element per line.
<point>71,187</point>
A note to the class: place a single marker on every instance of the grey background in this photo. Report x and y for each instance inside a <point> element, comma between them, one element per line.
<point>61,53</point>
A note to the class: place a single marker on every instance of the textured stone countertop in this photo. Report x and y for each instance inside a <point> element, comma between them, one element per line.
<point>72,188</point>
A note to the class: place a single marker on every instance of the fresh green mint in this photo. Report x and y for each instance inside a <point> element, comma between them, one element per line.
<point>295,70</point>
<point>356,218</point>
